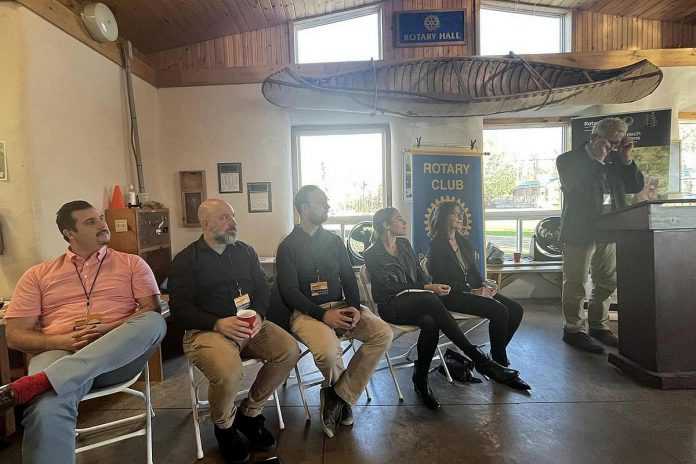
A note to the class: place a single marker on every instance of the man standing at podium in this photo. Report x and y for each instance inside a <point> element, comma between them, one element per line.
<point>595,178</point>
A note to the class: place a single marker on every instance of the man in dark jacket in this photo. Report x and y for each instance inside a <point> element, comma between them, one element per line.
<point>316,279</point>
<point>210,281</point>
<point>595,178</point>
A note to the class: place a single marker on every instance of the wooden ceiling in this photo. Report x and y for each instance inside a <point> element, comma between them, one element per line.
<point>154,25</point>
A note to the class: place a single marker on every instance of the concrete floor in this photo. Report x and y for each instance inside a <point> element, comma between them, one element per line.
<point>581,410</point>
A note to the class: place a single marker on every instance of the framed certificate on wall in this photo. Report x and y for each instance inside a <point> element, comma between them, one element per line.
<point>229,177</point>
<point>259,195</point>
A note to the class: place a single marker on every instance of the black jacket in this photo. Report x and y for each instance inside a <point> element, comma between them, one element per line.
<point>584,181</point>
<point>393,274</point>
<point>303,259</point>
<point>444,266</point>
<point>203,284</point>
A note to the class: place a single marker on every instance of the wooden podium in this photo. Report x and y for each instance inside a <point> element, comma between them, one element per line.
<point>656,266</point>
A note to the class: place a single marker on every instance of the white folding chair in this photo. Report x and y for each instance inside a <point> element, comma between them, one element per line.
<point>147,415</point>
<point>462,320</point>
<point>201,408</point>
<point>303,384</point>
<point>399,331</point>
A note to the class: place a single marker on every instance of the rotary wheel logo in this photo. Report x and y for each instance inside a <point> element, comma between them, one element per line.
<point>466,229</point>
<point>431,22</point>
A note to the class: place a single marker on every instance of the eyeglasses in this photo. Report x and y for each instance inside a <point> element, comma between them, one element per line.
<point>614,145</point>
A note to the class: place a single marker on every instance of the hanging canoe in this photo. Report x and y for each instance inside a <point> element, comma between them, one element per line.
<point>454,87</point>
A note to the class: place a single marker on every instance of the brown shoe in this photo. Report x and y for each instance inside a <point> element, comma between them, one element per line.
<point>606,337</point>
<point>7,400</point>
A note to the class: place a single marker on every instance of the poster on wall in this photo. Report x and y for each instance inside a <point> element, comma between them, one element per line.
<point>3,161</point>
<point>650,133</point>
<point>451,174</point>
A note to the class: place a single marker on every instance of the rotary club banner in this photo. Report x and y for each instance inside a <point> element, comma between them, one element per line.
<point>447,174</point>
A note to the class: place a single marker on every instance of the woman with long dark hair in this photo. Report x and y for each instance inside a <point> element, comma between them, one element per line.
<point>451,261</point>
<point>404,296</point>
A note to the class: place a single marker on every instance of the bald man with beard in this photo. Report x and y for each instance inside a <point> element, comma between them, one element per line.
<point>209,282</point>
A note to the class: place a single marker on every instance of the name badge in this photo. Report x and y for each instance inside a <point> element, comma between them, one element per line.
<point>242,302</point>
<point>319,288</point>
<point>87,320</point>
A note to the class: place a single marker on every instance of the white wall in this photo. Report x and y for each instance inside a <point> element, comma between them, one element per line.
<point>203,126</point>
<point>63,114</point>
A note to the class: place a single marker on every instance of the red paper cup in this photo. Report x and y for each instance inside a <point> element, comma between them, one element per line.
<point>517,256</point>
<point>248,316</point>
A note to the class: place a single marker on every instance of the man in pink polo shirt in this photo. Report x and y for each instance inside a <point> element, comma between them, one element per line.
<point>90,318</point>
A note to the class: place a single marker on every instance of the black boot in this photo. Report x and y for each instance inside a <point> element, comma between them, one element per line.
<point>420,384</point>
<point>260,438</point>
<point>232,448</point>
<point>486,366</point>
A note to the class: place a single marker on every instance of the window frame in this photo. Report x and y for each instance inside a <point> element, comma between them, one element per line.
<point>344,129</point>
<point>340,16</point>
<point>537,214</point>
<point>565,15</point>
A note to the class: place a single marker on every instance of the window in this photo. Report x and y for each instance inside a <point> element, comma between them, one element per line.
<point>523,29</point>
<point>350,164</point>
<point>354,35</point>
<point>687,134</point>
<point>521,183</point>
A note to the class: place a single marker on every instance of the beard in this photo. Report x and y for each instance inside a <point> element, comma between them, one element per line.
<point>226,238</point>
<point>318,219</point>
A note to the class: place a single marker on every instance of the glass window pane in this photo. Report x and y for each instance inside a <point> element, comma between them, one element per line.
<point>528,228</point>
<point>687,132</point>
<point>335,228</point>
<point>520,170</point>
<point>520,32</point>
<point>347,167</point>
<point>355,39</point>
<point>503,234</point>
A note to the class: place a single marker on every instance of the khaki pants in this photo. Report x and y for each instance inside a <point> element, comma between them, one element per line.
<point>220,360</point>
<point>323,341</point>
<point>599,259</point>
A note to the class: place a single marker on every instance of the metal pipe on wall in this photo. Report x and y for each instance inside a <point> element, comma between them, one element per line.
<point>127,49</point>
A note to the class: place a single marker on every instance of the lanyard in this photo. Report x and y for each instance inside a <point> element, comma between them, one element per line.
<point>88,296</point>
<point>229,271</point>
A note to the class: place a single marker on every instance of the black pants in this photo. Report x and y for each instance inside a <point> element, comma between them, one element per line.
<point>427,311</point>
<point>503,313</point>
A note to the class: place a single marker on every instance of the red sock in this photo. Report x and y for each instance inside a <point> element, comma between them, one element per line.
<point>29,387</point>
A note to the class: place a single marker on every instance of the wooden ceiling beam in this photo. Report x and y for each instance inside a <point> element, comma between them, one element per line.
<point>65,19</point>
<point>256,74</point>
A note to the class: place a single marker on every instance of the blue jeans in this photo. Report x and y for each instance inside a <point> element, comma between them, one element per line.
<point>50,420</point>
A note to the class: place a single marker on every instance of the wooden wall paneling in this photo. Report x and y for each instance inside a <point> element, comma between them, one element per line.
<point>241,18</point>
<point>300,8</point>
<point>310,10</point>
<point>128,15</point>
<point>220,10</point>
<point>256,74</point>
<point>268,12</point>
<point>215,21</point>
<point>257,14</point>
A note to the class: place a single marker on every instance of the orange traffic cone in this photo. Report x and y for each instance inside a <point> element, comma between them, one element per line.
<point>117,199</point>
